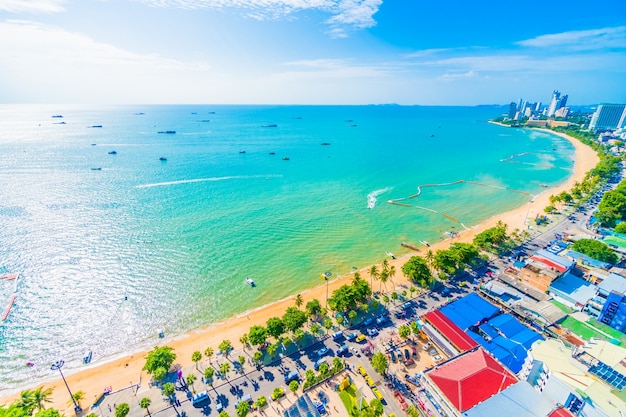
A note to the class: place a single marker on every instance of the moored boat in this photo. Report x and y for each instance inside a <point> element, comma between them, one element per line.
<point>87,356</point>
<point>162,158</point>
<point>250,282</point>
<point>391,255</point>
<point>113,153</point>
<point>423,242</point>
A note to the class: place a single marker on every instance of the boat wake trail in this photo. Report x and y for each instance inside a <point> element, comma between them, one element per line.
<point>231,177</point>
<point>371,197</point>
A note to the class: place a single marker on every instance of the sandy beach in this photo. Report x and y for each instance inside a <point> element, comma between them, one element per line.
<point>122,372</point>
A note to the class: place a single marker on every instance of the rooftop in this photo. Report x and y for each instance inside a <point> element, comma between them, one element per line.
<point>471,378</point>
<point>469,310</point>
<point>519,400</point>
<point>574,289</point>
<point>451,331</point>
<point>613,283</point>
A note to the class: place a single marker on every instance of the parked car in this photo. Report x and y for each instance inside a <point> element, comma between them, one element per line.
<point>343,349</point>
<point>338,336</point>
<point>352,336</point>
<point>432,352</point>
<point>407,354</point>
<point>409,362</point>
<point>436,358</point>
<point>360,338</point>
<point>372,331</point>
<point>319,362</point>
<point>426,346</point>
<point>323,351</point>
<point>199,397</point>
<point>414,352</point>
<point>368,321</point>
<point>393,356</point>
<point>291,376</point>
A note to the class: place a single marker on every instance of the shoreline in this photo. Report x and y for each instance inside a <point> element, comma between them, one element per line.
<point>121,371</point>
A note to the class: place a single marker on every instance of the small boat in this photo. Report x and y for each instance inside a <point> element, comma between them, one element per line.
<point>348,121</point>
<point>250,282</point>
<point>167,132</point>
<point>93,144</point>
<point>272,153</point>
<point>10,277</point>
<point>96,169</point>
<point>138,114</point>
<point>391,255</point>
<point>30,364</point>
<point>211,112</point>
<point>162,158</point>
<point>95,126</point>
<point>193,112</point>
<point>59,123</point>
<point>57,116</point>
<point>205,121</point>
<point>286,158</point>
<point>113,153</point>
<point>326,275</point>
<point>543,185</point>
<point>272,125</point>
<point>423,242</point>
<point>242,151</point>
<point>160,333</point>
<point>325,144</point>
<point>408,245</point>
<point>87,356</point>
<point>432,136</point>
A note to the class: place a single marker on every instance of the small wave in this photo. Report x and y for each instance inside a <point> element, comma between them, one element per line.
<point>371,197</point>
<point>231,177</point>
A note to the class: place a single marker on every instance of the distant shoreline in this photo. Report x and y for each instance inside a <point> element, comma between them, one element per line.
<point>123,371</point>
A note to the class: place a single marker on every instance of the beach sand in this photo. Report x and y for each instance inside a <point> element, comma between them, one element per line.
<point>122,372</point>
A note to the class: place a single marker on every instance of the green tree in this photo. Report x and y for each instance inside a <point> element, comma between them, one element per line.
<point>352,315</point>
<point>13,410</point>
<point>275,327</point>
<point>620,228</point>
<point>159,357</point>
<point>122,410</point>
<point>309,377</point>
<point>299,300</point>
<point>404,331</point>
<point>277,393</point>
<point>337,364</point>
<point>257,335</point>
<point>412,411</point>
<point>376,406</point>
<point>313,308</point>
<point>40,397</point>
<point>224,369</point>
<point>272,349</point>
<point>316,329</point>
<point>261,401</point>
<point>78,396</point>
<point>169,388</point>
<point>49,412</point>
<point>245,340</point>
<point>257,356</point>
<point>191,379</point>
<point>380,363</point>
<point>242,360</point>
<point>145,403</point>
<point>596,250</point>
<point>225,346</point>
<point>417,271</point>
<point>293,319</point>
<point>328,323</point>
<point>208,353</point>
<point>293,386</point>
<point>224,414</point>
<point>446,261</point>
<point>298,335</point>
<point>243,408</point>
<point>159,374</point>
<point>209,372</point>
<point>196,357</point>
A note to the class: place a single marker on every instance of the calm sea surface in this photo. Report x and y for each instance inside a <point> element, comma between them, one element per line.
<point>111,247</point>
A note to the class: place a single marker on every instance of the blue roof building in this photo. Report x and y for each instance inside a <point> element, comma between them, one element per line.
<point>469,311</point>
<point>584,260</point>
<point>572,291</point>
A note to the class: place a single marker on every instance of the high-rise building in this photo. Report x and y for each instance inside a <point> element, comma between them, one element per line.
<point>608,116</point>
<point>554,102</point>
<point>512,110</point>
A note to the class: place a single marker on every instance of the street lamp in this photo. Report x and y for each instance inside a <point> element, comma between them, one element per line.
<point>326,276</point>
<point>57,367</point>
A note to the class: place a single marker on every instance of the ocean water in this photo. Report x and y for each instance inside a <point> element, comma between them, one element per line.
<point>108,256</point>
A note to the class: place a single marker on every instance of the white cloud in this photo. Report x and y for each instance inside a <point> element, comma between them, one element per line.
<point>32,6</point>
<point>347,15</point>
<point>455,75</point>
<point>427,52</point>
<point>581,39</point>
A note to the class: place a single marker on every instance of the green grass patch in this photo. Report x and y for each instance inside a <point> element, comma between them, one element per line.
<point>562,307</point>
<point>349,398</point>
<point>580,329</point>
<point>615,334</point>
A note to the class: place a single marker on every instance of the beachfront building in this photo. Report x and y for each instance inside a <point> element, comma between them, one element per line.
<point>587,378</point>
<point>543,268</point>
<point>608,116</point>
<point>460,384</point>
<point>471,321</point>
<point>556,102</point>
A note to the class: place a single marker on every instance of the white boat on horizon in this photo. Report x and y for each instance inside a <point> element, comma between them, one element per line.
<point>250,282</point>
<point>423,242</point>
<point>391,255</point>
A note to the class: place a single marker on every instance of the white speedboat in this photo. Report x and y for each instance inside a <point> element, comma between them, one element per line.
<point>250,282</point>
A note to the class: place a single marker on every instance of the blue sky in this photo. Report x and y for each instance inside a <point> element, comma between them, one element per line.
<point>311,51</point>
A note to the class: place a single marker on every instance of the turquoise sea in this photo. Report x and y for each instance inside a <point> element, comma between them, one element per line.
<point>106,256</point>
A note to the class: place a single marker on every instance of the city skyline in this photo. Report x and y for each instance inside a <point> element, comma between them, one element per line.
<point>308,52</point>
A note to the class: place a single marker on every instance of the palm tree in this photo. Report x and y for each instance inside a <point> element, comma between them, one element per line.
<point>299,300</point>
<point>391,272</point>
<point>191,378</point>
<point>145,403</point>
<point>208,352</point>
<point>41,396</point>
<point>383,277</point>
<point>196,357</point>
<point>430,257</point>
<point>245,340</point>
<point>272,349</point>
<point>224,368</point>
<point>385,265</point>
<point>78,396</point>
<point>225,347</point>
<point>373,274</point>
<point>26,401</point>
<point>356,278</point>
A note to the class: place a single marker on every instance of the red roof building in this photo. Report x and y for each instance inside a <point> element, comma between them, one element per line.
<point>467,380</point>
<point>453,333</point>
<point>561,412</point>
